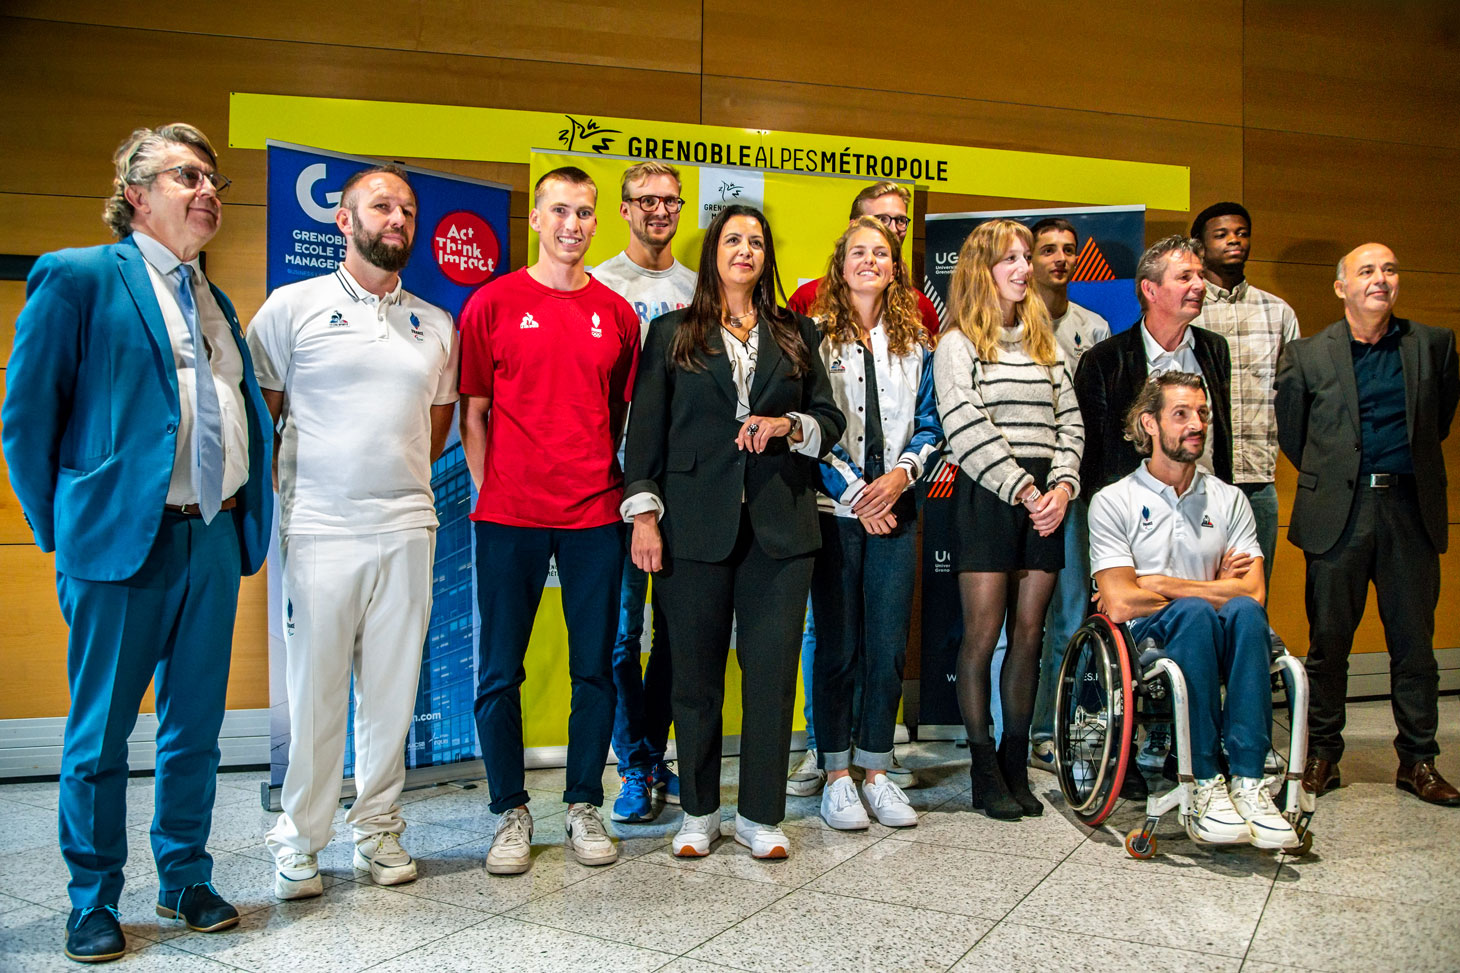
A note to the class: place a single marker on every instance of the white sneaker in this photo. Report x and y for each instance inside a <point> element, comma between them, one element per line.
<point>1216,820</point>
<point>1274,764</point>
<point>888,803</point>
<point>1268,827</point>
<point>1152,755</point>
<point>386,861</point>
<point>805,778</point>
<point>841,808</point>
<point>511,851</point>
<point>296,876</point>
<point>697,832</point>
<point>586,837</point>
<point>1041,755</point>
<point>900,775</point>
<point>763,840</point>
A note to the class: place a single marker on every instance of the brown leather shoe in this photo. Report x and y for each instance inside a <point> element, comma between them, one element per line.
<point>1320,776</point>
<point>1424,782</point>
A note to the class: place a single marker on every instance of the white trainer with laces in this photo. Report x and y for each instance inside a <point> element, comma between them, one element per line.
<point>1152,755</point>
<point>1041,755</point>
<point>805,779</point>
<point>889,804</point>
<point>1266,823</point>
<point>383,857</point>
<point>901,776</point>
<point>296,876</point>
<point>697,832</point>
<point>511,851</point>
<point>586,837</point>
<point>763,840</point>
<point>841,808</point>
<point>1216,820</point>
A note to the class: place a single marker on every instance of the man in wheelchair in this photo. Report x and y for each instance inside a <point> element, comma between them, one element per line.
<point>1174,555</point>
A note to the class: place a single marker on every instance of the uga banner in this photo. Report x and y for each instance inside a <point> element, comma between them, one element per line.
<point>1111,240</point>
<point>460,244</point>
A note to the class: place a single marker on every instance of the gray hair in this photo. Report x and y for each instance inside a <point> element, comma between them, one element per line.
<point>1151,400</point>
<point>1342,271</point>
<point>138,160</point>
<point>1152,265</point>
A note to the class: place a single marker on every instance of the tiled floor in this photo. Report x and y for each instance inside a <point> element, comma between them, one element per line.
<point>1380,892</point>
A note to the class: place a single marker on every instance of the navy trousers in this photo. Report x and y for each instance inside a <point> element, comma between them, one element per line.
<point>512,566</point>
<point>173,622</point>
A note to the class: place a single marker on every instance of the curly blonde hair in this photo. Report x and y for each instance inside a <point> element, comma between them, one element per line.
<point>973,303</point>
<point>899,306</point>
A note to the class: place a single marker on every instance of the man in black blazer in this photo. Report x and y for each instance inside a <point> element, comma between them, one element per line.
<point>1170,287</point>
<point>1362,408</point>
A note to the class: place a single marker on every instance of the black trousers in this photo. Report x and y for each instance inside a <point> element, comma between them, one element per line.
<point>767,598</point>
<point>1383,541</point>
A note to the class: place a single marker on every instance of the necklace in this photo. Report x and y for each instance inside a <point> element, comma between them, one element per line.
<point>736,320</point>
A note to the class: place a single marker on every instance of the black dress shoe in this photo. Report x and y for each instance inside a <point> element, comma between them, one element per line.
<point>1424,782</point>
<point>200,906</point>
<point>94,935</point>
<point>1320,776</point>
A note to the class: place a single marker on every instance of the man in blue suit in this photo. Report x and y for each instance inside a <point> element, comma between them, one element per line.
<point>138,444</point>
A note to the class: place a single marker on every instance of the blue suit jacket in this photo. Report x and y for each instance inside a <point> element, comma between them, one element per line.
<point>91,415</point>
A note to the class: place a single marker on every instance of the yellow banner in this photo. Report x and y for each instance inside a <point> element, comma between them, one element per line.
<point>398,129</point>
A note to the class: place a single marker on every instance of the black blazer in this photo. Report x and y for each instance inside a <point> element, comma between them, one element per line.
<point>1318,427</point>
<point>681,447</point>
<point>1107,381</point>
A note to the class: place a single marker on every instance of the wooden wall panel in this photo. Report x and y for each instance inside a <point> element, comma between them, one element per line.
<point>1069,55</point>
<point>1315,197</point>
<point>1213,152</point>
<point>12,297</point>
<point>105,95</point>
<point>655,35</point>
<point>13,528</point>
<point>1355,69</point>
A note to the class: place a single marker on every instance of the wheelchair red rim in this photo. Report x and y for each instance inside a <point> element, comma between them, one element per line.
<point>1128,704</point>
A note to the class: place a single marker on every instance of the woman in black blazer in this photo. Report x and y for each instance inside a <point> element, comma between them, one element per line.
<point>732,407</point>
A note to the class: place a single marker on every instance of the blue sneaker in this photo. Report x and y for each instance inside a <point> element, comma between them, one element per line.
<point>635,801</point>
<point>667,781</point>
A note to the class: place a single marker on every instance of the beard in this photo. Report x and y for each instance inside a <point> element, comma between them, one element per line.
<point>389,257</point>
<point>1176,450</point>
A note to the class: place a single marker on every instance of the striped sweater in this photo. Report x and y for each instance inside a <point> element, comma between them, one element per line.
<point>993,412</point>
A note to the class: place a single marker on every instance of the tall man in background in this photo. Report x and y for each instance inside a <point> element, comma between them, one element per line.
<point>1362,408</point>
<point>646,275</point>
<point>363,374</point>
<point>1257,326</point>
<point>547,368</point>
<point>1077,329</point>
<point>138,446</point>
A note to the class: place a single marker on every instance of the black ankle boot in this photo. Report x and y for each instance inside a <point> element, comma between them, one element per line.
<point>990,795</point>
<point>1013,764</point>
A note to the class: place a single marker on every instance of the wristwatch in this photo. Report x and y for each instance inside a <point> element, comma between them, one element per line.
<point>795,422</point>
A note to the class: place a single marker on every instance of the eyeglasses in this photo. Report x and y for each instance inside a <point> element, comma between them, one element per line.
<point>192,177</point>
<point>672,204</point>
<point>893,222</point>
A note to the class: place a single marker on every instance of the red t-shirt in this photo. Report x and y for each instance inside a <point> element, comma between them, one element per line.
<point>559,369</point>
<point>805,295</point>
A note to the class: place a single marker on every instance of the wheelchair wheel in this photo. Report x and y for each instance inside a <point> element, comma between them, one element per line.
<point>1094,710</point>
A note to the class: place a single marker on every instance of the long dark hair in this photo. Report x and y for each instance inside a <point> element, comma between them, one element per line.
<point>691,345</point>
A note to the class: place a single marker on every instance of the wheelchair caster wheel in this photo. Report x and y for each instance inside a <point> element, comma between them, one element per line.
<point>1140,845</point>
<point>1305,844</point>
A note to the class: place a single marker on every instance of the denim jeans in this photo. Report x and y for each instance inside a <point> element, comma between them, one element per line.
<point>808,661</point>
<point>1067,609</point>
<point>641,718</point>
<point>861,592</point>
<point>1264,501</point>
<point>1216,648</point>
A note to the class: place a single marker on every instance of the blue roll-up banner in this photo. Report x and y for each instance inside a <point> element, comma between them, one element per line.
<point>1111,240</point>
<point>461,243</point>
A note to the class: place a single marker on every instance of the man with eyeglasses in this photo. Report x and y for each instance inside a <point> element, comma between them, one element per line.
<point>363,374</point>
<point>646,275</point>
<point>138,445</point>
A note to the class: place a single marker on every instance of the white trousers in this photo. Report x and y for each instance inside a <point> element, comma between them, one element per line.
<point>362,605</point>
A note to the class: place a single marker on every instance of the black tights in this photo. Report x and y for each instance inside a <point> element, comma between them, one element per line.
<point>987,596</point>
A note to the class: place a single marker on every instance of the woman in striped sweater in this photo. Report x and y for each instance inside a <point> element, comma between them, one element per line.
<point>1009,412</point>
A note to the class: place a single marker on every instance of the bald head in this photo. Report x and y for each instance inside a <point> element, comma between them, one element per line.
<point>1368,283</point>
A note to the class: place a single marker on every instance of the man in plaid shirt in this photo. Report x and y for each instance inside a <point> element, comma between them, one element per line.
<point>1257,326</point>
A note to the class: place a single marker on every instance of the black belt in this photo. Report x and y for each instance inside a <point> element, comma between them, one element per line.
<point>191,509</point>
<point>1383,481</point>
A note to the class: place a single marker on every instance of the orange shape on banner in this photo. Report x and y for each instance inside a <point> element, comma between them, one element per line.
<point>1091,265</point>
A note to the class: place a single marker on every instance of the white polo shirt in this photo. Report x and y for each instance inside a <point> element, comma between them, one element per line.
<point>1078,330</point>
<point>359,375</point>
<point>1140,522</point>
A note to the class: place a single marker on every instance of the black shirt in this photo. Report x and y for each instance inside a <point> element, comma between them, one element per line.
<point>1383,429</point>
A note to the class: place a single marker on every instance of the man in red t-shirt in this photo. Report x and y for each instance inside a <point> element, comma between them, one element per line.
<point>547,366</point>
<point>887,203</point>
